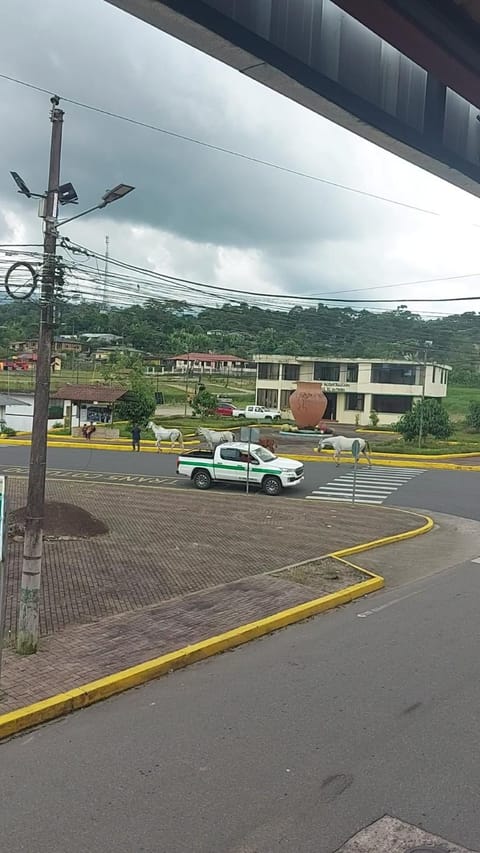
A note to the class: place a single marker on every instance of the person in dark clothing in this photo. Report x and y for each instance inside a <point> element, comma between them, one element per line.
<point>136,434</point>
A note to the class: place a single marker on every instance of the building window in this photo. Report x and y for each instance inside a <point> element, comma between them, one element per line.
<point>355,402</point>
<point>326,371</point>
<point>268,371</point>
<point>291,372</point>
<point>267,397</point>
<point>394,404</point>
<point>285,400</point>
<point>352,373</point>
<point>394,374</point>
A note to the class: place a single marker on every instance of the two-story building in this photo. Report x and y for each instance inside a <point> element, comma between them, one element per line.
<point>208,362</point>
<point>354,386</point>
<point>61,344</point>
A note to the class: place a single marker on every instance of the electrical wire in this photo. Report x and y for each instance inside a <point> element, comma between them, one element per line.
<point>317,298</point>
<point>229,151</point>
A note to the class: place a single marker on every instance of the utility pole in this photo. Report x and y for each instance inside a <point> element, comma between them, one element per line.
<point>28,617</point>
<point>186,385</point>
<point>420,427</point>
<point>105,275</point>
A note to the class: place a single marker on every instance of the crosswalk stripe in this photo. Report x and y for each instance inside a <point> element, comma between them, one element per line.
<point>342,500</point>
<point>373,486</point>
<point>343,488</point>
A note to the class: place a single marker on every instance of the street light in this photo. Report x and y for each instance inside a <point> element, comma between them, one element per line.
<point>120,191</point>
<point>28,616</point>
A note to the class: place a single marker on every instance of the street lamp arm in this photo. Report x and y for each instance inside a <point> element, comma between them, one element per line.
<point>78,215</point>
<point>118,192</point>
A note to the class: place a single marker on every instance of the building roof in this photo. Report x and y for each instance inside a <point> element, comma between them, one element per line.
<point>204,356</point>
<point>100,336</point>
<point>27,356</point>
<point>297,359</point>
<point>7,400</point>
<point>90,393</point>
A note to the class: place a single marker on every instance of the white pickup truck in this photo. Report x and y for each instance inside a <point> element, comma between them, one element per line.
<point>229,463</point>
<point>257,413</point>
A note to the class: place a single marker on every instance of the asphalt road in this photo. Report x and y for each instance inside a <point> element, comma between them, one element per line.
<point>288,745</point>
<point>451,492</point>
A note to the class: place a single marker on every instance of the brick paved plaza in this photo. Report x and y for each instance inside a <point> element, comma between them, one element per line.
<point>175,567</point>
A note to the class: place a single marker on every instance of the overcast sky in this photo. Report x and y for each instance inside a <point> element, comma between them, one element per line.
<point>206,215</point>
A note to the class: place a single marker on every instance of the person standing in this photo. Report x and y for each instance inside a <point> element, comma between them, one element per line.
<point>136,435</point>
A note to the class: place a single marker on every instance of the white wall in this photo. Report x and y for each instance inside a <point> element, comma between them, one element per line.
<point>20,417</point>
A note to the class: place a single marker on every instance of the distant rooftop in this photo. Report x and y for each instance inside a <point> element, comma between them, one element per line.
<point>204,356</point>
<point>90,393</point>
<point>7,400</point>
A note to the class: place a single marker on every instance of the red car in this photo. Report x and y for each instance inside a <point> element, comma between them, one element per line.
<point>224,410</point>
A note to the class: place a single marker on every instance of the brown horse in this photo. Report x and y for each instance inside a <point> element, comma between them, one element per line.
<point>269,443</point>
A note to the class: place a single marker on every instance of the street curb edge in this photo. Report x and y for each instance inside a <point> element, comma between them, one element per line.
<point>21,719</point>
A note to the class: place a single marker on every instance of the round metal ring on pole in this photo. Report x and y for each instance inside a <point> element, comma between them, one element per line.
<point>21,280</point>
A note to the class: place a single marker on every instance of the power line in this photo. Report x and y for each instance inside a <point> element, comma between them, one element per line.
<point>281,296</point>
<point>229,151</point>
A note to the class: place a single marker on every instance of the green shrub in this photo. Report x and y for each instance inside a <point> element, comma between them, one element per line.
<point>436,421</point>
<point>7,432</point>
<point>473,415</point>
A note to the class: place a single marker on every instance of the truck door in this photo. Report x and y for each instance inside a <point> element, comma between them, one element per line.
<point>229,466</point>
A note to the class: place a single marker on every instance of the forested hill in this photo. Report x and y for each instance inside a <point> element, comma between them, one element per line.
<point>169,327</point>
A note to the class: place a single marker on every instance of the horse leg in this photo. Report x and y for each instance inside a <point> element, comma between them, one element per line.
<point>336,457</point>
<point>367,456</point>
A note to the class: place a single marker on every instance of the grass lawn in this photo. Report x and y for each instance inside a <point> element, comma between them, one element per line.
<point>460,442</point>
<point>241,391</point>
<point>458,398</point>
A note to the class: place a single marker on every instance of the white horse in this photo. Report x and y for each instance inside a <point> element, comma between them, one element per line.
<point>174,436</point>
<point>339,443</point>
<point>213,437</point>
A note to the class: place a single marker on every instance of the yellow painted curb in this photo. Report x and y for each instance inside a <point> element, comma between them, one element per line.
<point>70,445</point>
<point>21,719</point>
<point>429,455</point>
<point>395,463</point>
<point>80,697</point>
<point>389,540</point>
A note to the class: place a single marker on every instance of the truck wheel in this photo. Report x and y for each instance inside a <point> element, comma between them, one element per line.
<point>202,479</point>
<point>242,417</point>
<point>268,417</point>
<point>272,486</point>
<point>277,418</point>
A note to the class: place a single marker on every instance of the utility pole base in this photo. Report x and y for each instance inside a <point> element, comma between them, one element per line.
<point>27,636</point>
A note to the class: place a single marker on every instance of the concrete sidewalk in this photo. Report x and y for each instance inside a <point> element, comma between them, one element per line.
<point>170,572</point>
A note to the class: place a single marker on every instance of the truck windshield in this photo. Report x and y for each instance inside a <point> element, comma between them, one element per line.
<point>264,455</point>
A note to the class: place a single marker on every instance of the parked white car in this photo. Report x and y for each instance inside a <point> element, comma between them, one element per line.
<point>257,413</point>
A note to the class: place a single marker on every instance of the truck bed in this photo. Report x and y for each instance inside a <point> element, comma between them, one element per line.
<point>199,454</point>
